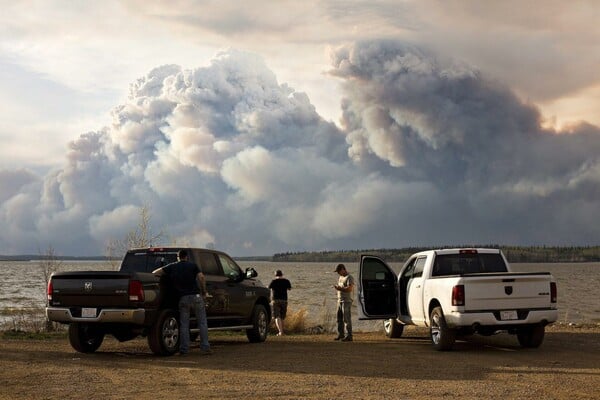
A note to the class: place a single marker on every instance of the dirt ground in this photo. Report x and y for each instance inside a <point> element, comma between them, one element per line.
<point>566,366</point>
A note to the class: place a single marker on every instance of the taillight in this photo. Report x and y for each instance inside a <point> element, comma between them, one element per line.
<point>49,290</point>
<point>553,292</point>
<point>136,291</point>
<point>458,295</point>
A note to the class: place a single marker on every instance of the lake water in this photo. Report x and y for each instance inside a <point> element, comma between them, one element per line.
<point>22,287</point>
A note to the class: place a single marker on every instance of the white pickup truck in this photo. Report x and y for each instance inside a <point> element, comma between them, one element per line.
<point>457,292</point>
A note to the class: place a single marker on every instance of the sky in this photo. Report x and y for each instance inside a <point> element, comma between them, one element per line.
<point>292,126</point>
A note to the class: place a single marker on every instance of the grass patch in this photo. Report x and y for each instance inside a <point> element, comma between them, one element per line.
<point>32,319</point>
<point>24,335</point>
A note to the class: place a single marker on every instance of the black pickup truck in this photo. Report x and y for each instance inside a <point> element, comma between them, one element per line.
<point>133,302</point>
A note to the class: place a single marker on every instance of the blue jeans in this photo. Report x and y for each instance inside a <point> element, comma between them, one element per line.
<point>344,318</point>
<point>186,303</point>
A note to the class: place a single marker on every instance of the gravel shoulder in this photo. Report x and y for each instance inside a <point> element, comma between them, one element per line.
<point>567,365</point>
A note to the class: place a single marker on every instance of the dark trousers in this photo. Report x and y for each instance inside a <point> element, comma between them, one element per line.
<point>344,318</point>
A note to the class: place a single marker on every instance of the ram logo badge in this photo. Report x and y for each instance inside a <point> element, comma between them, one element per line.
<point>508,290</point>
<point>87,286</point>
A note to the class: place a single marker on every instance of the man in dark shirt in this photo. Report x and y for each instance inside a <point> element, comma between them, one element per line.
<point>189,282</point>
<point>279,287</point>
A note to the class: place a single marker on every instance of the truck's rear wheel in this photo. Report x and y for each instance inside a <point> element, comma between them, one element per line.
<point>442,337</point>
<point>85,338</point>
<point>393,329</point>
<point>532,336</point>
<point>260,321</point>
<point>163,337</point>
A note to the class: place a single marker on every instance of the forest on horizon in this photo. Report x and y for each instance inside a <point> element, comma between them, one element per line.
<point>514,254</point>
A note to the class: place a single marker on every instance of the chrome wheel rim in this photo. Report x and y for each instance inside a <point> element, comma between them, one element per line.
<point>387,326</point>
<point>170,333</point>
<point>262,324</point>
<point>435,328</point>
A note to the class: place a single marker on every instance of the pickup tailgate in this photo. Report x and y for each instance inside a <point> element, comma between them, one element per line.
<point>91,289</point>
<point>511,291</point>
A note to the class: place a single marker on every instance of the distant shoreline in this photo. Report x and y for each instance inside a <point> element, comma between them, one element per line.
<point>515,254</point>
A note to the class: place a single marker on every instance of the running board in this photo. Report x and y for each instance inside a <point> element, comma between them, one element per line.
<point>225,328</point>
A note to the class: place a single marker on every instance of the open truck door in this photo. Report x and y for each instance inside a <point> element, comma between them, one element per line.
<point>377,289</point>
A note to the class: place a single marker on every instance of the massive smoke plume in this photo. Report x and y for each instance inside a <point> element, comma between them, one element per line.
<point>430,152</point>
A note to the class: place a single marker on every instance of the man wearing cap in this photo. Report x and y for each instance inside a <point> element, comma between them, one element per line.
<point>345,292</point>
<point>279,288</point>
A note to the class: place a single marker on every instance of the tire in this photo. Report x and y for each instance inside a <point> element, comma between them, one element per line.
<point>85,338</point>
<point>531,337</point>
<point>393,329</point>
<point>260,321</point>
<point>163,337</point>
<point>442,337</point>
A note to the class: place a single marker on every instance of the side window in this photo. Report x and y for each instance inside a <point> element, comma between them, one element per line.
<point>408,271</point>
<point>419,265</point>
<point>230,268</point>
<point>374,269</point>
<point>444,265</point>
<point>208,263</point>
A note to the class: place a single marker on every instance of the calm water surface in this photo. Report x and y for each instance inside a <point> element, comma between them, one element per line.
<point>22,286</point>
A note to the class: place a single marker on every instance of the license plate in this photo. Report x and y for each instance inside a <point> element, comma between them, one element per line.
<point>88,313</point>
<point>508,315</point>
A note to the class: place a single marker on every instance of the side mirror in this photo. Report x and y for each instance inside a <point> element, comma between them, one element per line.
<point>235,277</point>
<point>251,273</point>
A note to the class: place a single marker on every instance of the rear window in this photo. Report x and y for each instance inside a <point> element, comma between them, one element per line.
<point>147,262</point>
<point>456,264</point>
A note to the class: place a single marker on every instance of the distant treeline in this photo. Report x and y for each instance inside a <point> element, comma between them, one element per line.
<point>519,254</point>
<point>515,254</point>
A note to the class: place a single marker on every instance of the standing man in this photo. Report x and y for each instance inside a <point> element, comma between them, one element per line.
<point>189,282</point>
<point>279,288</point>
<point>345,291</point>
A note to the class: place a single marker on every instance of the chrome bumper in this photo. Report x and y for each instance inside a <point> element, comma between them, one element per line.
<point>62,314</point>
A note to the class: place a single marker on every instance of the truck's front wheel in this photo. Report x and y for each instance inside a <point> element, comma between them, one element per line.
<point>442,337</point>
<point>531,337</point>
<point>260,321</point>
<point>393,329</point>
<point>163,337</point>
<point>85,338</point>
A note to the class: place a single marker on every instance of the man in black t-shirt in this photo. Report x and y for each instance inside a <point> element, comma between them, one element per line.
<point>189,282</point>
<point>279,288</point>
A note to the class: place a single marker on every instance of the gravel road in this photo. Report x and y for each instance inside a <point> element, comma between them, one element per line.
<point>566,366</point>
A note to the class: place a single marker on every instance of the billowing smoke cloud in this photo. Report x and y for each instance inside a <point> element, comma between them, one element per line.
<point>499,176</point>
<point>430,152</point>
